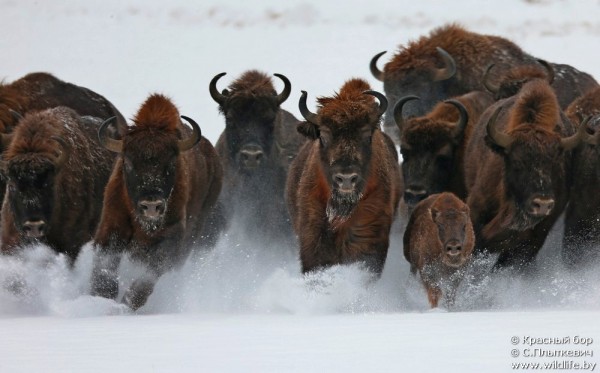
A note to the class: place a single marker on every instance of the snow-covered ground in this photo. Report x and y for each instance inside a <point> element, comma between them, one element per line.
<point>245,306</point>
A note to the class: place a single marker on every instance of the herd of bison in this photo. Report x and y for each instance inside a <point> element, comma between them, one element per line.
<point>496,144</point>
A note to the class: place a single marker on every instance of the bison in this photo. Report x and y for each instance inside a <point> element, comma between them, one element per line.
<point>433,145</point>
<point>161,190</point>
<point>568,82</point>
<point>256,148</point>
<point>582,231</point>
<point>56,172</point>
<point>344,186</point>
<point>39,91</point>
<point>438,243</point>
<point>516,167</point>
<point>451,61</point>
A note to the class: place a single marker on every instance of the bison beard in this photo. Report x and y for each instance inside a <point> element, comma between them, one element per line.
<point>341,205</point>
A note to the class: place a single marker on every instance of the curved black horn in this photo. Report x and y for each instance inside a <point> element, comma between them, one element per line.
<point>378,74</point>
<point>491,88</point>
<point>548,68</point>
<point>287,89</point>
<point>462,120</point>
<point>16,115</point>
<point>311,117</point>
<point>106,141</point>
<point>582,135</point>
<point>398,110</point>
<point>448,71</point>
<point>190,141</point>
<point>214,92</point>
<point>383,102</point>
<point>499,138</point>
<point>63,156</point>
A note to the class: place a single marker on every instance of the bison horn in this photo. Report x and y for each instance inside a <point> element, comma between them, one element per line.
<point>311,117</point>
<point>62,157</point>
<point>287,89</point>
<point>549,69</point>
<point>214,92</point>
<point>464,117</point>
<point>190,141</point>
<point>498,137</point>
<point>491,88</point>
<point>378,74</point>
<point>16,115</point>
<point>106,141</point>
<point>383,102</point>
<point>582,135</point>
<point>398,110</point>
<point>448,71</point>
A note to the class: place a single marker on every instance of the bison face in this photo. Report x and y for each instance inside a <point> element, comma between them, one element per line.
<point>455,234</point>
<point>426,170</point>
<point>150,179</point>
<point>534,172</point>
<point>30,195</point>
<point>345,156</point>
<point>249,132</point>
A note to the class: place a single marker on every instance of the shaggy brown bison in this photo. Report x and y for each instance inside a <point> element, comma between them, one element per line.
<point>162,188</point>
<point>582,231</point>
<point>344,186</point>
<point>37,91</point>
<point>451,61</point>
<point>256,148</point>
<point>56,172</point>
<point>516,168</point>
<point>568,82</point>
<point>438,243</point>
<point>433,145</point>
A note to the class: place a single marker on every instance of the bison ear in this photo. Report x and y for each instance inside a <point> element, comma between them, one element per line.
<point>309,130</point>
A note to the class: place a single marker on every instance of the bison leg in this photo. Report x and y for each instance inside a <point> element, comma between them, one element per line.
<point>105,281</point>
<point>138,293</point>
<point>433,295</point>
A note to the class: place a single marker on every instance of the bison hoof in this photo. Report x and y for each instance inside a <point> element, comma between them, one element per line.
<point>137,295</point>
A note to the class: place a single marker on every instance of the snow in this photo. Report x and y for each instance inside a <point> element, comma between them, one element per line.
<point>245,306</point>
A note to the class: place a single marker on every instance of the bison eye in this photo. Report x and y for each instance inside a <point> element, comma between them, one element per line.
<point>325,138</point>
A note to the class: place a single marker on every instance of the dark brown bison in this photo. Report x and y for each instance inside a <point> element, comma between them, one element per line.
<point>568,82</point>
<point>38,91</point>
<point>451,61</point>
<point>256,148</point>
<point>516,167</point>
<point>56,172</point>
<point>344,186</point>
<point>162,188</point>
<point>582,228</point>
<point>433,145</point>
<point>438,243</point>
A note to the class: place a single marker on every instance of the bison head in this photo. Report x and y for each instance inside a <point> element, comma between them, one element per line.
<point>344,130</point>
<point>428,146</point>
<point>455,230</point>
<point>423,78</point>
<point>534,169</point>
<point>250,108</point>
<point>30,188</point>
<point>150,163</point>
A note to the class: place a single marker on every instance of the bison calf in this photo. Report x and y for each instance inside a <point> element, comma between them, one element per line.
<point>343,188</point>
<point>160,193</point>
<point>438,243</point>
